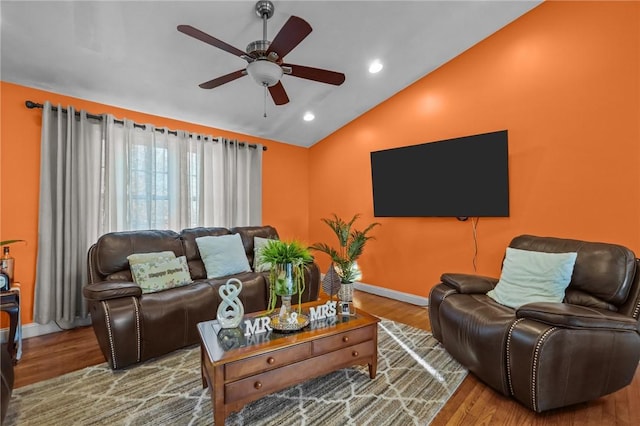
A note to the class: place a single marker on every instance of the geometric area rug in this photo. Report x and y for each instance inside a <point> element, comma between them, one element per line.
<point>415,378</point>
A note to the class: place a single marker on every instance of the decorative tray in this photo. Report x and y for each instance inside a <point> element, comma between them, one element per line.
<point>299,321</point>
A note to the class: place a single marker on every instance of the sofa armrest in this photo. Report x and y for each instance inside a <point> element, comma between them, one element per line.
<point>468,283</point>
<point>111,290</point>
<point>576,317</point>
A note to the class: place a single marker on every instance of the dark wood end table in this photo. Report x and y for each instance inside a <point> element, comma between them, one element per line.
<point>10,303</point>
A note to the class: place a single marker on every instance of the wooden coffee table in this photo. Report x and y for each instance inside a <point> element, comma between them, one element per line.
<point>240,369</point>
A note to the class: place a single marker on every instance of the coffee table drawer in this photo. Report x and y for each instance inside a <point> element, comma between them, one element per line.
<point>265,362</point>
<point>348,338</point>
<point>251,388</point>
<point>350,355</point>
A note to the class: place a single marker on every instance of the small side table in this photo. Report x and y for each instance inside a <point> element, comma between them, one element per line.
<point>10,303</point>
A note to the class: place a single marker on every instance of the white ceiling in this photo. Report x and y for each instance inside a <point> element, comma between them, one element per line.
<point>129,54</point>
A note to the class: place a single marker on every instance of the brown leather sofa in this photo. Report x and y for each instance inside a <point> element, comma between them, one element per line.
<point>132,327</point>
<point>548,355</point>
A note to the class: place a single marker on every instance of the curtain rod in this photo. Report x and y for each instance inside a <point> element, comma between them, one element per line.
<point>31,105</point>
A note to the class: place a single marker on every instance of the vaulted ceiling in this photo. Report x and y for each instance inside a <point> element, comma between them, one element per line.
<point>129,54</point>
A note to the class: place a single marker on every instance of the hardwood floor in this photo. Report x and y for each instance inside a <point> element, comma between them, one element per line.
<point>473,403</point>
<point>54,354</point>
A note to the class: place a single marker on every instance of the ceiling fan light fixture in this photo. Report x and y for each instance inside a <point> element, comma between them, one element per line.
<point>265,72</point>
<point>266,58</point>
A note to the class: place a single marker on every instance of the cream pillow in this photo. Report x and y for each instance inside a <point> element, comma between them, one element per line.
<point>223,255</point>
<point>532,276</point>
<point>258,244</point>
<point>161,274</point>
<point>136,258</point>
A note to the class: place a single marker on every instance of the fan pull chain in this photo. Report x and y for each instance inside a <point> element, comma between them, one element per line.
<point>265,101</point>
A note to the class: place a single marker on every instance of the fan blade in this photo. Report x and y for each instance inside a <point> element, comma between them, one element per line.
<point>290,35</point>
<point>278,94</point>
<point>202,36</point>
<point>224,79</point>
<point>316,74</point>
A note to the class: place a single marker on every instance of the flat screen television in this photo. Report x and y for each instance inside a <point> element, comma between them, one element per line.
<point>461,177</point>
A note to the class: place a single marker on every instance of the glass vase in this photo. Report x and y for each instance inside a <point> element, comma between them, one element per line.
<point>285,289</point>
<point>284,281</point>
<point>285,308</point>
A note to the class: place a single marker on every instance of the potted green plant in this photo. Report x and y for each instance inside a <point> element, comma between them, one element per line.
<point>351,245</point>
<point>286,277</point>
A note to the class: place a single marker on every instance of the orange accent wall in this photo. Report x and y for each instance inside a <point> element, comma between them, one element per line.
<point>564,80</point>
<point>285,168</point>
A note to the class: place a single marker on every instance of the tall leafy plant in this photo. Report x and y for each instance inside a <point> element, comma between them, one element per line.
<point>351,245</point>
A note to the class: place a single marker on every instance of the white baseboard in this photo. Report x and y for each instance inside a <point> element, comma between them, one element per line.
<point>388,293</point>
<point>392,294</point>
<point>34,329</point>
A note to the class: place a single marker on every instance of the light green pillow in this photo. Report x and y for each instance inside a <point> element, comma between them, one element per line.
<point>532,276</point>
<point>223,255</point>
<point>161,274</point>
<point>258,244</point>
<point>136,258</point>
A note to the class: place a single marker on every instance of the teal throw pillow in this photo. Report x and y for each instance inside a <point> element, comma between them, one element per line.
<point>223,255</point>
<point>532,276</point>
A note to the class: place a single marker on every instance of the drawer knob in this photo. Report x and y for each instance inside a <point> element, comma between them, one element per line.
<point>355,353</point>
<point>257,385</point>
<point>345,339</point>
<point>271,360</point>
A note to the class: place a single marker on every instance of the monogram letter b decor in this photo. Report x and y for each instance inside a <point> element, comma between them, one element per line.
<point>230,311</point>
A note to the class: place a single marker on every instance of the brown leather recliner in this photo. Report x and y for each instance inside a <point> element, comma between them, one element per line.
<point>132,327</point>
<point>548,355</point>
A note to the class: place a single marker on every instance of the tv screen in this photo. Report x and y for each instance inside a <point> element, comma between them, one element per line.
<point>461,177</point>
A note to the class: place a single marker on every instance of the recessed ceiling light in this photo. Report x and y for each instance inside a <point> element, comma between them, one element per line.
<point>375,66</point>
<point>308,116</point>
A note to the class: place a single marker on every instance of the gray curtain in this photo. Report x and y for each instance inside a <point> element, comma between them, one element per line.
<point>68,216</point>
<point>232,180</point>
<point>90,184</point>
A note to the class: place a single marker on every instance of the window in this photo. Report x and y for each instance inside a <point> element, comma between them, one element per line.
<point>149,183</point>
<point>160,180</point>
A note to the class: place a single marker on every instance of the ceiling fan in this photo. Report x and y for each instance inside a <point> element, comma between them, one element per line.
<point>266,58</point>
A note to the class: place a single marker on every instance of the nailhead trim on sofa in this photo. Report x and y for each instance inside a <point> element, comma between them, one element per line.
<point>534,371</point>
<point>513,325</point>
<point>138,334</point>
<point>107,318</point>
